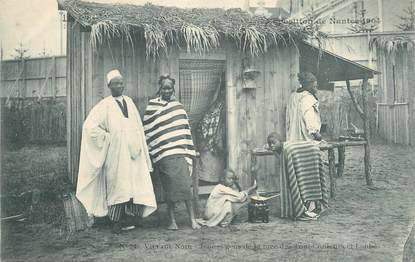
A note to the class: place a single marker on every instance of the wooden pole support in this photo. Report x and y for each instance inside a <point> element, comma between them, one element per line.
<point>54,88</point>
<point>341,150</point>
<point>366,128</point>
<point>195,180</point>
<point>332,171</point>
<point>253,168</point>
<point>354,100</point>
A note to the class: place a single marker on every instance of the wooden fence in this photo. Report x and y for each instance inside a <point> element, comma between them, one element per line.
<point>34,77</point>
<point>393,122</point>
<point>33,100</point>
<point>338,112</point>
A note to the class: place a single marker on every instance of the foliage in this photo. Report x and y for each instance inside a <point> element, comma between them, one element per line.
<point>408,19</point>
<point>21,52</point>
<point>363,25</point>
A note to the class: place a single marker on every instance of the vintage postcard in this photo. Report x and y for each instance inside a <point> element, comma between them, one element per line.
<point>190,130</point>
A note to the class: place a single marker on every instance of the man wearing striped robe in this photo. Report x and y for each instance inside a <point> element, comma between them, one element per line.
<point>303,185</point>
<point>171,148</point>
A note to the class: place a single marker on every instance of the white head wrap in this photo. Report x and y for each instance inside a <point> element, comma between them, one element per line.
<point>113,74</point>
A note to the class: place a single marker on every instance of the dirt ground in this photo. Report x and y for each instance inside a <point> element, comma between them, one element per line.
<point>362,224</point>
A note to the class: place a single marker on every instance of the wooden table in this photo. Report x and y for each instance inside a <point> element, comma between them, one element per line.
<point>324,146</point>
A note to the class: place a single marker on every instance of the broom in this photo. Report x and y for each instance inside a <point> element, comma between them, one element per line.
<point>76,216</point>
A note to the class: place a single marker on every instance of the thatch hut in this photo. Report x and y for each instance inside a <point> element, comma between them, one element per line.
<point>203,49</point>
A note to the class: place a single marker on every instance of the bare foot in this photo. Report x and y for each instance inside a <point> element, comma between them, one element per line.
<point>173,226</point>
<point>195,225</point>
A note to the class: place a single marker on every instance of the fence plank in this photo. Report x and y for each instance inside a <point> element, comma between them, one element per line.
<point>25,78</point>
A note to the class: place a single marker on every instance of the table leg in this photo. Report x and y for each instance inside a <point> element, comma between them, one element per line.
<point>253,168</point>
<point>332,171</point>
<point>342,155</point>
<point>195,180</point>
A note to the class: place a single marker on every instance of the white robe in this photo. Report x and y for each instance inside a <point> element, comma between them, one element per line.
<point>221,206</point>
<point>114,163</point>
<point>302,117</point>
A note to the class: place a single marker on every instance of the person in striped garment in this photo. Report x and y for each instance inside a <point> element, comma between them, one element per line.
<point>303,185</point>
<point>171,147</point>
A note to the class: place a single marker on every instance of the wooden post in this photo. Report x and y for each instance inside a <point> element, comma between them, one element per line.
<point>54,89</point>
<point>23,93</point>
<point>254,173</point>
<point>354,100</point>
<point>332,170</point>
<point>366,128</point>
<point>69,60</point>
<point>195,180</point>
<point>341,150</point>
<point>231,111</point>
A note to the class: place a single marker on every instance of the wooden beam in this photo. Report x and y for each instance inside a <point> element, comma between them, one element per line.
<point>332,171</point>
<point>366,128</point>
<point>341,150</point>
<point>195,186</point>
<point>69,60</point>
<point>54,89</point>
<point>24,91</point>
<point>355,103</point>
<point>231,111</point>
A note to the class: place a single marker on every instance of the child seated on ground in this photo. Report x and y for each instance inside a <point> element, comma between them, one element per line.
<point>225,200</point>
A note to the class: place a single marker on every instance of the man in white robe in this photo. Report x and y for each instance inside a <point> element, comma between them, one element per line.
<point>114,168</point>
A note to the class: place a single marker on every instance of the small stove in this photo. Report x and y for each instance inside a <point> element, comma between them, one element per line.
<point>258,209</point>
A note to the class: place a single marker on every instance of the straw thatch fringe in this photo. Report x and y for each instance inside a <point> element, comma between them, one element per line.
<point>391,44</point>
<point>198,30</point>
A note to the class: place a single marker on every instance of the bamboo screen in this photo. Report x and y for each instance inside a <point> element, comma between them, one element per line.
<point>199,83</point>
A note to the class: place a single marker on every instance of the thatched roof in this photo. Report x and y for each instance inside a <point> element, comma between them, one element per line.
<point>195,29</point>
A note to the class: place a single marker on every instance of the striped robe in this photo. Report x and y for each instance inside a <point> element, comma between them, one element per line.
<point>302,178</point>
<point>167,130</point>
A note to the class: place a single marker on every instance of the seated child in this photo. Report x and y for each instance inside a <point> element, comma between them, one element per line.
<point>225,200</point>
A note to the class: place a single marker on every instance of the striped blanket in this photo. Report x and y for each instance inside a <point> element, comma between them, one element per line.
<point>302,178</point>
<point>167,130</point>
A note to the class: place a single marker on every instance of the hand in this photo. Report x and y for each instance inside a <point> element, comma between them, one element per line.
<point>317,136</point>
<point>253,187</point>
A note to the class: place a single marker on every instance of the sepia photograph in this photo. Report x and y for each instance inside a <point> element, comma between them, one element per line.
<point>192,130</point>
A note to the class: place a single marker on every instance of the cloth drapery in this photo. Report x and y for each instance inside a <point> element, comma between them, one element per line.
<point>303,117</point>
<point>167,130</point>
<point>303,178</point>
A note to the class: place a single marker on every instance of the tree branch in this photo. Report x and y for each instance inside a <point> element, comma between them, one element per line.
<point>355,103</point>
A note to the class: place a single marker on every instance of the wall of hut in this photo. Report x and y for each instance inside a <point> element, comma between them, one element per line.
<point>396,107</point>
<point>86,81</point>
<point>252,113</point>
<point>261,111</point>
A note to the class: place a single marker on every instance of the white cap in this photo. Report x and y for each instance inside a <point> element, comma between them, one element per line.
<point>113,74</point>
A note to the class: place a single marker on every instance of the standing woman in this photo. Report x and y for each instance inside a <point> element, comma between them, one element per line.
<point>171,147</point>
<point>303,116</point>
